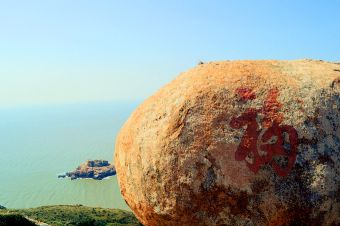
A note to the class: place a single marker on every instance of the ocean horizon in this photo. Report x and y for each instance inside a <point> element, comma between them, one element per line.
<point>38,143</point>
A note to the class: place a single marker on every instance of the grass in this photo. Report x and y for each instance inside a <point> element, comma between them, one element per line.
<point>75,216</point>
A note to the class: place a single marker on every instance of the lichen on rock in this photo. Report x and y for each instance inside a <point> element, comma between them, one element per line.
<point>236,143</point>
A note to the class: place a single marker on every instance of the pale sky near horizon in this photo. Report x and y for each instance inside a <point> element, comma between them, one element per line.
<point>65,51</point>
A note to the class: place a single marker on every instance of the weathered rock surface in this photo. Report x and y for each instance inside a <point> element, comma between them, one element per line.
<point>236,143</point>
<point>95,169</point>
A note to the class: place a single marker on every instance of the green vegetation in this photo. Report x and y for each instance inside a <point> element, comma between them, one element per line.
<point>14,219</point>
<point>75,216</point>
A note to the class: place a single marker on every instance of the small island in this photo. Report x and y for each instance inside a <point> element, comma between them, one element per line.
<point>95,169</point>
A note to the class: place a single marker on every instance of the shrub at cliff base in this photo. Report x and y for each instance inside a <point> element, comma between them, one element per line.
<point>76,216</point>
<point>13,220</point>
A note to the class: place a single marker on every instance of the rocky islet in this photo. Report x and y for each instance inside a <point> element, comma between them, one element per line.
<point>95,169</point>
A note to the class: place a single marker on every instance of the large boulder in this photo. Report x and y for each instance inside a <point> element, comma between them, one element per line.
<point>236,143</point>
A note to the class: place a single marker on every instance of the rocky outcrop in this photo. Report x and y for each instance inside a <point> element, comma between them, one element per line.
<point>95,169</point>
<point>236,143</point>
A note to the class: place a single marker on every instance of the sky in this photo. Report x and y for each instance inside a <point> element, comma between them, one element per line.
<point>63,51</point>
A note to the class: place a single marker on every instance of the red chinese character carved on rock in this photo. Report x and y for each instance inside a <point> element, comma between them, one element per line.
<point>265,140</point>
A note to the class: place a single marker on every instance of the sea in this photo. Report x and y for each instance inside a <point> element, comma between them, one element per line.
<point>38,143</point>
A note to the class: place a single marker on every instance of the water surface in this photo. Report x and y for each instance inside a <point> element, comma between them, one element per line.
<point>37,143</point>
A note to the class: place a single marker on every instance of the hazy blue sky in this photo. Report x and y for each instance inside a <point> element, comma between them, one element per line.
<point>80,50</point>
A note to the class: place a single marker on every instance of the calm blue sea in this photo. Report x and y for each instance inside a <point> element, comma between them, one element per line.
<point>37,143</point>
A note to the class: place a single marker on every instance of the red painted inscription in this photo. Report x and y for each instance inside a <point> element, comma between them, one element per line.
<point>265,140</point>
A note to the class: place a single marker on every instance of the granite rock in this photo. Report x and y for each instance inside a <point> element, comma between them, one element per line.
<point>236,143</point>
<point>95,169</point>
